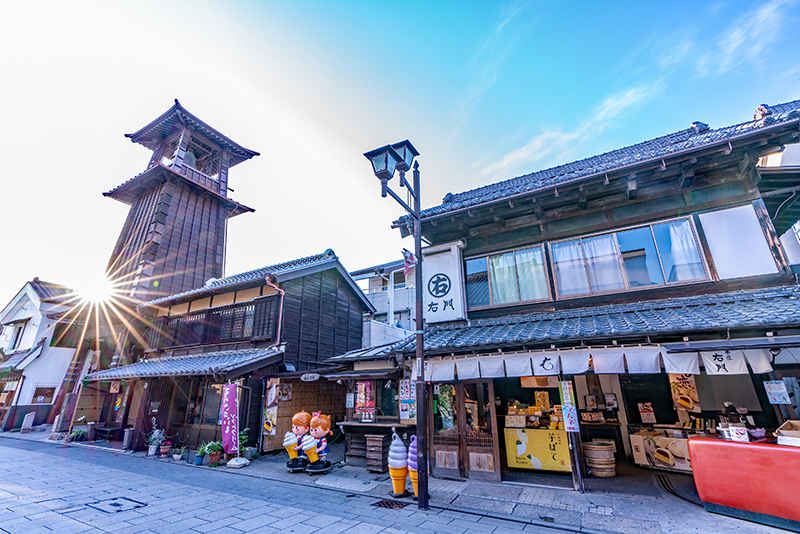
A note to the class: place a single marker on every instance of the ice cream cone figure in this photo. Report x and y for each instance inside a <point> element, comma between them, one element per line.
<point>398,465</point>
<point>289,441</point>
<point>310,448</point>
<point>412,463</point>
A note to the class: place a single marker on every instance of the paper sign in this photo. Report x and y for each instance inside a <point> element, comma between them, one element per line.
<point>570,418</point>
<point>777,392</point>
<point>567,393</point>
<point>646,412</point>
<point>408,412</point>
<point>350,400</point>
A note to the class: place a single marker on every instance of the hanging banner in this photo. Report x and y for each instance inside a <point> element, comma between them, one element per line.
<point>571,418</point>
<point>271,406</point>
<point>442,284</point>
<point>684,392</point>
<point>229,413</point>
<point>545,363</point>
<point>567,393</point>
<point>724,362</point>
<point>777,392</point>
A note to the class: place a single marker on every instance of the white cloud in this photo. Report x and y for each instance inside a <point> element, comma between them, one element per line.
<point>750,36</point>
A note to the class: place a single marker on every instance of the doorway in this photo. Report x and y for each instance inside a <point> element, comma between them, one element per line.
<point>464,433</point>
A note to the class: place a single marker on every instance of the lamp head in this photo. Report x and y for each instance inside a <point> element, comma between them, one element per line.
<point>384,162</point>
<point>407,153</point>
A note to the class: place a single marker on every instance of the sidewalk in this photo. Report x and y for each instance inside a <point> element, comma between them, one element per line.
<point>632,503</point>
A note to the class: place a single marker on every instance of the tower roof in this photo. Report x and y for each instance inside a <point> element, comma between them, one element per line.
<point>176,116</point>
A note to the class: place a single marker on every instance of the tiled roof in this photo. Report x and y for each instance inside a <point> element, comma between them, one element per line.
<point>384,267</point>
<point>13,359</point>
<point>654,149</point>
<point>279,269</point>
<point>192,365</point>
<point>51,291</point>
<point>774,307</point>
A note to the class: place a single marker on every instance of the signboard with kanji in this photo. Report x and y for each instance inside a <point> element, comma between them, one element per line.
<point>546,450</point>
<point>442,284</point>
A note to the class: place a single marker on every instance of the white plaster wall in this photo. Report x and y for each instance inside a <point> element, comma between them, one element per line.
<point>23,306</point>
<point>47,370</point>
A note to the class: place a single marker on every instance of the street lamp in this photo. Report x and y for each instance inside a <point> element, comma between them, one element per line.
<point>385,160</point>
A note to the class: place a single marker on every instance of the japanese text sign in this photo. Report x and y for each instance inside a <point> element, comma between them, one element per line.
<point>442,284</point>
<point>229,413</point>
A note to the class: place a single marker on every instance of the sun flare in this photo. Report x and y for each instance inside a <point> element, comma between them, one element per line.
<point>101,290</point>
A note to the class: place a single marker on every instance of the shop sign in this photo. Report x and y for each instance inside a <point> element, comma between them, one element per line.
<point>537,449</point>
<point>309,377</point>
<point>408,411</point>
<point>724,362</point>
<point>570,413</point>
<point>114,387</point>
<point>646,412</point>
<point>271,407</point>
<point>684,392</point>
<point>442,283</point>
<point>350,400</point>
<point>229,413</point>
<point>567,393</point>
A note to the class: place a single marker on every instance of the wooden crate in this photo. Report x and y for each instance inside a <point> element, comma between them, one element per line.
<point>378,452</point>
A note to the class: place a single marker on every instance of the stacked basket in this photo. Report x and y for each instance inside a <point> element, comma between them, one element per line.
<point>600,459</point>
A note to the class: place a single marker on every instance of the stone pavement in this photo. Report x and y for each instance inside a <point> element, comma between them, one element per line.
<point>617,507</point>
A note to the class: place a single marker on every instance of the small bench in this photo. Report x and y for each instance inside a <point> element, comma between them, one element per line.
<point>108,431</point>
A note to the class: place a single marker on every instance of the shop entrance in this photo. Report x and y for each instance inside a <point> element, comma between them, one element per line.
<point>464,440</point>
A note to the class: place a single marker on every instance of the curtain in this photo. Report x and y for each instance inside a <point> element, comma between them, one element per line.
<point>602,262</point>
<point>574,362</point>
<point>545,363</point>
<point>681,363</point>
<point>518,365</point>
<point>608,361</point>
<point>492,367</point>
<point>686,264</point>
<point>724,362</point>
<point>467,368</point>
<point>442,371</point>
<point>759,360</point>
<point>530,270</point>
<point>643,360</point>
<point>503,275</point>
<point>569,267</point>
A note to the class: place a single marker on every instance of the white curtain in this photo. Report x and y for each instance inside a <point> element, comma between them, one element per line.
<point>574,362</point>
<point>681,363</point>
<point>643,360</point>
<point>467,368</point>
<point>570,269</point>
<point>503,275</point>
<point>686,259</point>
<point>545,363</point>
<point>492,367</point>
<point>759,360</point>
<point>442,371</point>
<point>724,362</point>
<point>608,361</point>
<point>602,262</point>
<point>518,365</point>
<point>530,271</point>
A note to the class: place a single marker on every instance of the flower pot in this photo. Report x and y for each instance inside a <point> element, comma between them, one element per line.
<point>229,457</point>
<point>213,457</point>
<point>165,450</point>
<point>177,456</point>
<point>198,459</point>
<point>152,450</point>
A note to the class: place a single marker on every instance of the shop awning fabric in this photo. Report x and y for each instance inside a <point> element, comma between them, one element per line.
<point>611,360</point>
<point>230,364</point>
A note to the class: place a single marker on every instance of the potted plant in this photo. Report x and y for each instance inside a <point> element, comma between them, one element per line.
<point>78,434</point>
<point>201,451</point>
<point>178,453</point>
<point>165,448</point>
<point>154,441</point>
<point>214,451</point>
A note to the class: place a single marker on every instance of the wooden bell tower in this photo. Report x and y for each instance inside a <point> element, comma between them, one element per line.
<point>174,237</point>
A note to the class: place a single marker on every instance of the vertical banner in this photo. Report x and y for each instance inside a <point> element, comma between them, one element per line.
<point>442,284</point>
<point>271,406</point>
<point>684,392</point>
<point>230,420</point>
<point>567,392</point>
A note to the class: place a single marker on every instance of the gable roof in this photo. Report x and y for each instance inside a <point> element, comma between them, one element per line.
<point>282,271</point>
<point>178,115</point>
<point>697,137</point>
<point>762,308</point>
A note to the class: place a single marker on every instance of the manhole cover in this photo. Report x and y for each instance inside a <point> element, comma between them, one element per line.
<point>393,505</point>
<point>117,504</point>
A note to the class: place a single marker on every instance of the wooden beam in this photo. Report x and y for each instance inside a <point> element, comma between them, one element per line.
<point>583,203</point>
<point>686,178</point>
<point>500,221</point>
<point>464,229</point>
<point>631,189</point>
<point>537,209</point>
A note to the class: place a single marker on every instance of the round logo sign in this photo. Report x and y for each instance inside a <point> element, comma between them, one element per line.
<point>439,285</point>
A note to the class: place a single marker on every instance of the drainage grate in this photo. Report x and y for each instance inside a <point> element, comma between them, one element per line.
<point>392,505</point>
<point>117,504</point>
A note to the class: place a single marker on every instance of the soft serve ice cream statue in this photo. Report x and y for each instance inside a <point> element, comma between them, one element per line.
<point>398,465</point>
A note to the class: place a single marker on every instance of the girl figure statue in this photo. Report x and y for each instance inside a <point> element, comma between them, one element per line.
<point>320,428</point>
<point>301,421</point>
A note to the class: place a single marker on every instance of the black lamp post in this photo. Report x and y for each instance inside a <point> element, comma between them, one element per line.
<point>385,160</point>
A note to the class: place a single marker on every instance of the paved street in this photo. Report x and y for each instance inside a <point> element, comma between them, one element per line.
<point>56,488</point>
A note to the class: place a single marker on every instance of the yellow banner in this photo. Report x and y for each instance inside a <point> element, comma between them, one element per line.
<point>537,449</point>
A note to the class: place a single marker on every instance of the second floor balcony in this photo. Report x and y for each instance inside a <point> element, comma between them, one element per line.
<point>404,299</point>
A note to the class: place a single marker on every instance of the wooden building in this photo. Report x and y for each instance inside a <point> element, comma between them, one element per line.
<point>611,273</point>
<point>279,321</point>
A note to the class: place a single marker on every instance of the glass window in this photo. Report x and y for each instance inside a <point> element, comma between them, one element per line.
<point>477,283</point>
<point>737,243</point>
<point>212,402</point>
<point>639,256</point>
<point>503,277</point>
<point>43,395</point>
<point>385,398</point>
<point>531,274</point>
<point>195,407</point>
<point>678,251</point>
<point>569,268</point>
<point>602,263</point>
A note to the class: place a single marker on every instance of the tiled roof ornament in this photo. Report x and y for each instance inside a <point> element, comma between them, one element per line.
<point>761,112</point>
<point>210,282</point>
<point>699,127</point>
<point>448,198</point>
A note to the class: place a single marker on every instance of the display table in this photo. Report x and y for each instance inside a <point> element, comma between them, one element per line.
<point>753,481</point>
<point>540,449</point>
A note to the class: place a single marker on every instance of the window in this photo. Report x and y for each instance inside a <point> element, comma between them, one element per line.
<point>517,276</point>
<point>43,395</point>
<point>385,398</point>
<point>13,333</point>
<point>737,243</point>
<point>641,257</point>
<point>211,406</point>
<point>66,335</point>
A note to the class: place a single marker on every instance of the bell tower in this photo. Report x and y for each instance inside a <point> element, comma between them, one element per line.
<point>174,237</point>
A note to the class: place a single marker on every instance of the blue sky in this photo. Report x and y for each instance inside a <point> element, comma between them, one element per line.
<point>485,90</point>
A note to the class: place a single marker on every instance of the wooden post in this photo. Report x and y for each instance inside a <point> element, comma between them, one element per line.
<point>576,458</point>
